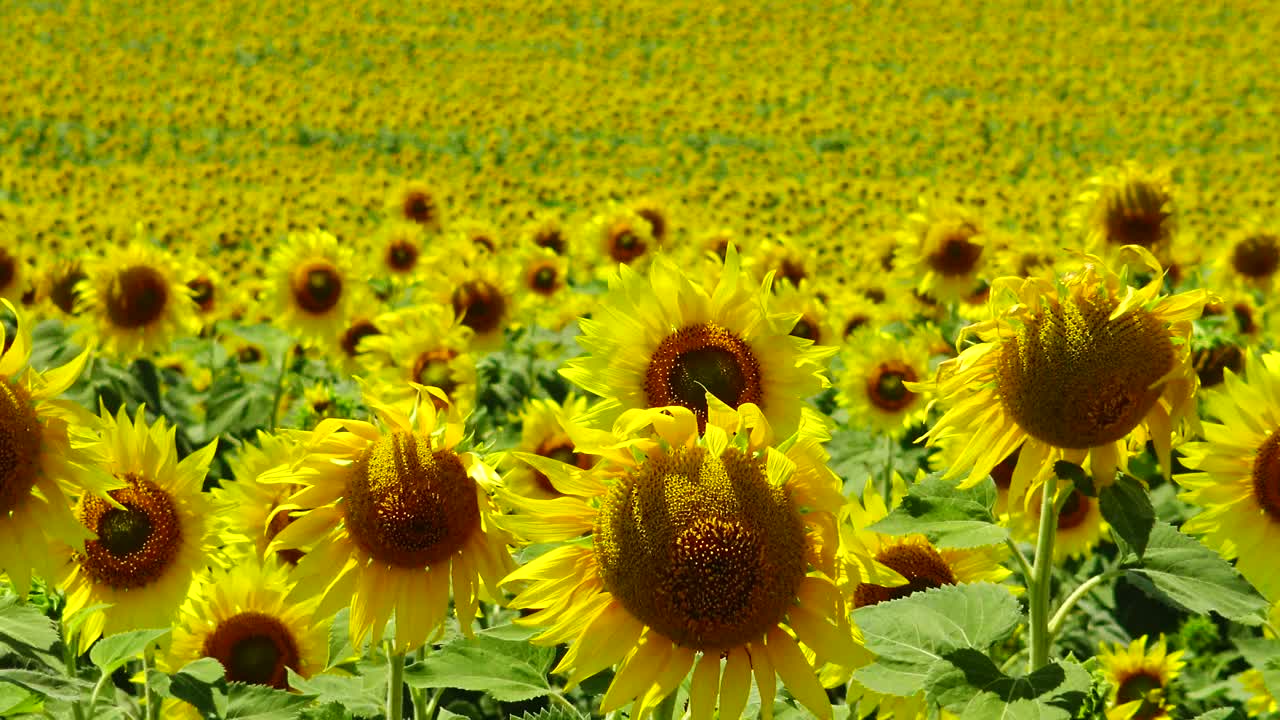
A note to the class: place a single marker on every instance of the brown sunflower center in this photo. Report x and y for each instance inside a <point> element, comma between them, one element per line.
<point>551,239</point>
<point>1212,363</point>
<point>1141,686</point>
<point>544,278</point>
<point>1266,475</point>
<point>1136,214</point>
<point>657,223</point>
<point>1257,257</point>
<point>19,447</point>
<point>1002,473</point>
<point>137,297</point>
<point>402,255</point>
<point>316,286</point>
<point>806,329</point>
<point>560,448</point>
<point>63,293</point>
<point>919,563</point>
<point>886,389</point>
<point>8,269</point>
<point>954,252</point>
<point>358,331</point>
<point>625,245</point>
<point>701,359</point>
<point>407,505</point>
<point>792,271</point>
<point>854,323</point>
<point>480,305</point>
<point>202,293</point>
<point>1075,510</point>
<point>1072,377</point>
<point>419,207</point>
<point>254,648</point>
<point>278,523</point>
<point>136,542</point>
<point>703,549</point>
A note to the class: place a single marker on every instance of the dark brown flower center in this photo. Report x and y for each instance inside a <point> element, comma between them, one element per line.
<point>402,255</point>
<point>358,331</point>
<point>1136,214</point>
<point>955,254</point>
<point>551,239</point>
<point>1212,363</point>
<point>701,359</point>
<point>317,286</point>
<point>625,245</point>
<point>8,269</point>
<point>807,329</point>
<point>481,306</point>
<point>919,563</point>
<point>1266,476</point>
<point>1257,256</point>
<point>202,293</point>
<point>137,297</point>
<point>20,446</point>
<point>886,389</point>
<point>1075,510</point>
<point>419,207</point>
<point>1142,686</point>
<point>137,542</point>
<point>254,648</point>
<point>560,448</point>
<point>657,223</point>
<point>544,278</point>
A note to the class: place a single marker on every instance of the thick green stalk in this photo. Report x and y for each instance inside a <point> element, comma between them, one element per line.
<point>395,686</point>
<point>1042,573</point>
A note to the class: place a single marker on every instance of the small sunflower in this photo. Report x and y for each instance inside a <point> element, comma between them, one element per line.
<point>657,215</point>
<point>40,464</point>
<point>1127,205</point>
<point>548,300</point>
<point>873,385</point>
<point>664,340</point>
<point>704,547</point>
<point>1238,483</point>
<point>1140,678</point>
<point>351,351</point>
<point>814,321</point>
<point>483,294</point>
<point>424,344</point>
<point>416,203</point>
<point>620,236</point>
<point>1086,368</point>
<point>317,286</point>
<point>548,232</point>
<point>242,618</point>
<point>249,512</point>
<point>395,514</point>
<point>945,247</point>
<point>152,537</point>
<point>401,249</point>
<point>543,432</point>
<point>138,298</point>
<point>60,285</point>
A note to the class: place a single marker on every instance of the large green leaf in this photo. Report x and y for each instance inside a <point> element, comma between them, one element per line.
<point>25,626</point>
<point>358,694</point>
<point>509,671</point>
<point>911,634</point>
<point>947,515</point>
<point>1198,579</point>
<point>111,652</point>
<point>259,702</point>
<point>970,684</point>
<point>201,683</point>
<point>43,683</point>
<point>1127,508</point>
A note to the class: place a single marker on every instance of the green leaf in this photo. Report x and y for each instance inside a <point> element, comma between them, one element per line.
<point>202,684</point>
<point>508,671</point>
<point>111,652</point>
<point>1078,477</point>
<point>15,700</point>
<point>25,626</point>
<point>53,686</point>
<point>355,693</point>
<point>1196,578</point>
<point>947,515</point>
<point>551,713</point>
<point>1263,654</point>
<point>1128,510</point>
<point>1221,714</point>
<point>970,684</point>
<point>340,649</point>
<point>909,635</point>
<point>259,702</point>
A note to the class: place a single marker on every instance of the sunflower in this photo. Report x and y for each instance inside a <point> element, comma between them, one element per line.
<point>151,539</point>
<point>13,271</point>
<point>60,284</point>
<point>242,618</point>
<point>416,203</point>
<point>317,286</point>
<point>40,465</point>
<point>704,547</point>
<point>656,214</point>
<point>483,293</point>
<point>548,300</point>
<point>1070,371</point>
<point>543,432</point>
<point>1126,205</point>
<point>877,367</point>
<point>944,245</point>
<point>1252,258</point>
<point>395,514</point>
<point>664,340</point>
<point>400,250</point>
<point>1140,678</point>
<point>1238,483</point>
<point>249,512</point>
<point>620,236</point>
<point>547,231</point>
<point>802,299</point>
<point>139,299</point>
<point>424,344</point>
<point>1260,701</point>
<point>788,260</point>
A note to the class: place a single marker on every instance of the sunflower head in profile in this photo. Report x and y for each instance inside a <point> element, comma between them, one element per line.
<point>1140,678</point>
<point>41,466</point>
<point>1127,205</point>
<point>394,515</point>
<point>417,203</point>
<point>317,285</point>
<point>242,618</point>
<point>1087,368</point>
<point>423,344</point>
<point>1237,483</point>
<point>704,547</point>
<point>873,386</point>
<point>943,250</point>
<point>138,299</point>
<point>150,538</point>
<point>662,339</point>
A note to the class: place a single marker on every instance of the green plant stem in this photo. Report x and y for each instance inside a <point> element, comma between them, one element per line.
<point>275,400</point>
<point>432,705</point>
<point>1023,564</point>
<point>564,702</point>
<point>1059,617</point>
<point>666,708</point>
<point>1041,575</point>
<point>395,686</point>
<point>97,689</point>
<point>152,700</point>
<point>888,471</point>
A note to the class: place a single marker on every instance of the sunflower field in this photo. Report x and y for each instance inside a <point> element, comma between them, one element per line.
<point>893,359</point>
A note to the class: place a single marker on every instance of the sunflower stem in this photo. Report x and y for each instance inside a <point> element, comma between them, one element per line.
<point>1038,587</point>
<point>395,686</point>
<point>432,706</point>
<point>1023,564</point>
<point>1055,624</point>
<point>888,471</point>
<point>275,400</point>
<point>666,709</point>
<point>149,694</point>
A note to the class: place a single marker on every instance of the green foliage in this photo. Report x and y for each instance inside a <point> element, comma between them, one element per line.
<point>507,670</point>
<point>111,652</point>
<point>946,515</point>
<point>970,684</point>
<point>1127,508</point>
<point>1181,570</point>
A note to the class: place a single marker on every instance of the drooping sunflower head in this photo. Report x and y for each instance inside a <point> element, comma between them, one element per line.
<point>1140,678</point>
<point>664,340</point>
<point>877,368</point>
<point>317,284</point>
<point>702,544</point>
<point>1087,367</point>
<point>395,505</point>
<point>1127,205</point>
<point>151,537</point>
<point>943,251</point>
<point>242,618</point>
<point>138,299</point>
